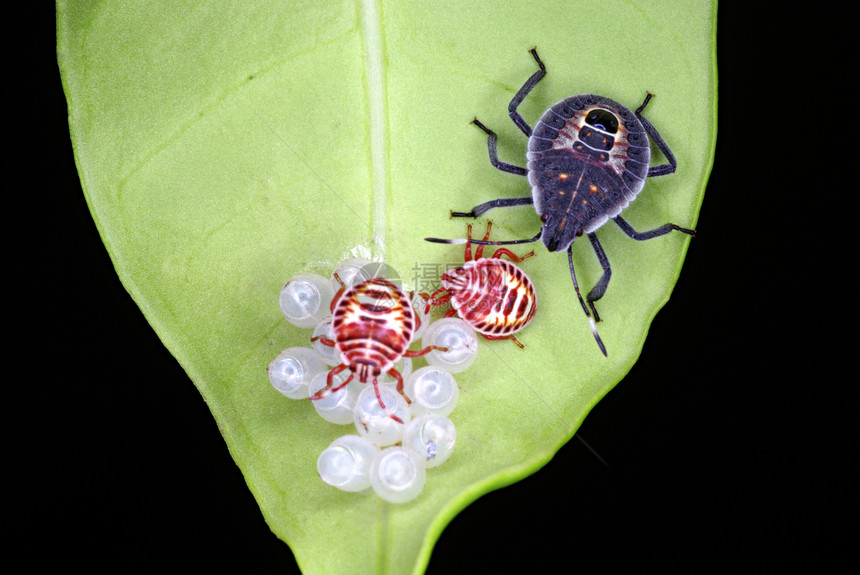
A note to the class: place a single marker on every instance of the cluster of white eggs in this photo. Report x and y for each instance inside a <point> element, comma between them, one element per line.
<point>387,455</point>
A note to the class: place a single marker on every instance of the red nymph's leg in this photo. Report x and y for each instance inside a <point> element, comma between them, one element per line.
<point>434,299</point>
<point>396,375</point>
<point>425,351</point>
<point>323,340</point>
<point>511,255</point>
<point>339,293</point>
<point>329,382</point>
<point>479,251</point>
<point>379,397</point>
<point>510,337</point>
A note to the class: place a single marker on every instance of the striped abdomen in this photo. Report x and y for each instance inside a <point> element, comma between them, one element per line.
<point>494,296</point>
<point>373,323</point>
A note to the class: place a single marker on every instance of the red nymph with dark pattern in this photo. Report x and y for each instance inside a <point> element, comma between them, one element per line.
<point>493,295</point>
<point>373,323</point>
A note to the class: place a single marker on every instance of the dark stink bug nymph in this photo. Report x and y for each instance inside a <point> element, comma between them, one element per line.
<point>588,158</point>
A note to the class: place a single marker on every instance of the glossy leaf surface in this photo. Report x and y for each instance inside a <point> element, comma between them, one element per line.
<point>226,147</point>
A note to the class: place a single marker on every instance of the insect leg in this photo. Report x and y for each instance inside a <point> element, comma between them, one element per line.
<point>494,156</point>
<point>662,169</point>
<point>511,255</point>
<point>648,96</point>
<point>436,298</point>
<point>399,378</point>
<point>479,251</point>
<point>582,302</point>
<point>337,295</point>
<point>425,351</point>
<point>396,375</point>
<point>655,233</point>
<point>520,96</point>
<point>600,287</point>
<point>323,340</point>
<point>329,386</point>
<point>498,337</point>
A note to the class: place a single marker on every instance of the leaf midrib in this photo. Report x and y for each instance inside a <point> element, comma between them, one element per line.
<point>371,30</point>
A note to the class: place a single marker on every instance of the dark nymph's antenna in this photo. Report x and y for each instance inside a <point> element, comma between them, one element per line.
<point>584,307</point>
<point>485,242</point>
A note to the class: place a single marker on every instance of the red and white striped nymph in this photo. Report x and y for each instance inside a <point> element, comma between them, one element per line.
<point>373,323</point>
<point>493,295</point>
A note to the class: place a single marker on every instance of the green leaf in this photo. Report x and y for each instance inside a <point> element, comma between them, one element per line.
<point>224,147</point>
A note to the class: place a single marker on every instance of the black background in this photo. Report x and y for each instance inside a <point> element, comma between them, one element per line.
<point>725,452</point>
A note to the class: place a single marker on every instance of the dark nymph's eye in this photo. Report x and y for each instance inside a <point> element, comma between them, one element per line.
<point>602,120</point>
